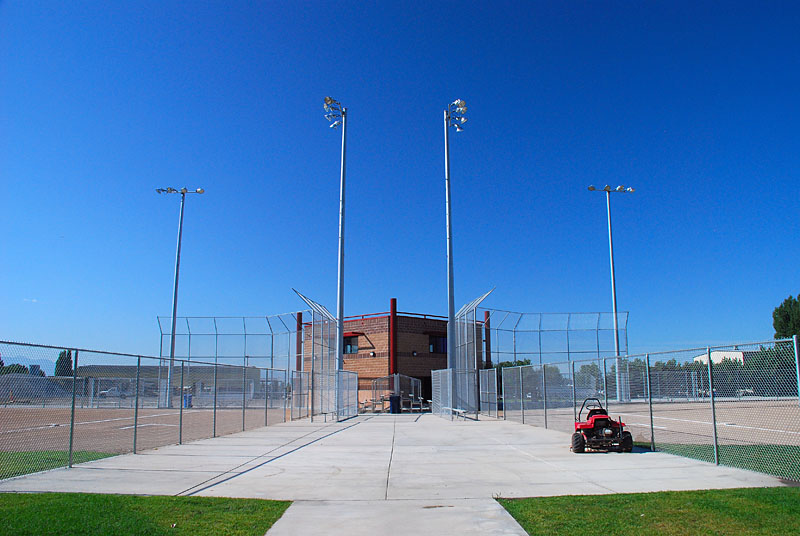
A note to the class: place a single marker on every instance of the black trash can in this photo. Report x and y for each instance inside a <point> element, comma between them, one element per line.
<point>394,404</point>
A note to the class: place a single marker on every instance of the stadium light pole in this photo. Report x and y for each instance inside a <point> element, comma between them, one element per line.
<point>337,115</point>
<point>183,192</point>
<point>453,117</point>
<point>607,189</point>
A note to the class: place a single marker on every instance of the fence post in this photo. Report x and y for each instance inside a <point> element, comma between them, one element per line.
<point>713,405</point>
<point>214,415</point>
<point>650,403</point>
<point>544,393</point>
<point>180,414</point>
<point>266,394</point>
<point>796,366</point>
<point>244,394</point>
<point>521,396</point>
<point>605,382</point>
<point>72,416</point>
<point>136,408</point>
<point>574,401</point>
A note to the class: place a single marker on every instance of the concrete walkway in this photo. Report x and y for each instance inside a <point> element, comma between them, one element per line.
<point>377,475</point>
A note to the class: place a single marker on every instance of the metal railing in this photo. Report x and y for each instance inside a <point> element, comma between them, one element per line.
<point>733,405</point>
<point>407,388</point>
<point>60,406</point>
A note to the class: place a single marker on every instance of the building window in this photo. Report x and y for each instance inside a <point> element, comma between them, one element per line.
<point>351,345</point>
<point>438,344</point>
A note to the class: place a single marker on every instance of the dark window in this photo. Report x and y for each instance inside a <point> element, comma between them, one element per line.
<point>351,345</point>
<point>438,344</point>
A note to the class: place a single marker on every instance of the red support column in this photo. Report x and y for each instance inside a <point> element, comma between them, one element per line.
<point>299,359</point>
<point>393,336</point>
<point>487,332</point>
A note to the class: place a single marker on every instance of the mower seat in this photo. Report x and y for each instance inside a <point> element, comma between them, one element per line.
<point>596,411</point>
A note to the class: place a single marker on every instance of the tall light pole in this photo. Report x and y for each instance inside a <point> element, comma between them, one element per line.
<point>337,115</point>
<point>183,192</point>
<point>453,117</point>
<point>607,189</point>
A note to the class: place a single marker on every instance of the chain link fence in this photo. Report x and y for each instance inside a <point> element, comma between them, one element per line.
<point>488,394</point>
<point>60,406</point>
<point>733,405</point>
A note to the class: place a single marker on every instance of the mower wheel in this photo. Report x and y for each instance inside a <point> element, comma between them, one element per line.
<point>578,442</point>
<point>627,442</point>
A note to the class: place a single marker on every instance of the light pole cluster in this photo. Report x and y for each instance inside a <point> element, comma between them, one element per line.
<point>183,192</point>
<point>623,190</point>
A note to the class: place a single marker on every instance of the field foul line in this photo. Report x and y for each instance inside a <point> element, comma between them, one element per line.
<point>730,425</point>
<point>646,426</point>
<point>56,425</point>
<point>147,424</point>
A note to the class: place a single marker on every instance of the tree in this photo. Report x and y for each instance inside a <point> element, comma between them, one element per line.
<point>1,362</point>
<point>64,363</point>
<point>786,318</point>
<point>517,363</point>
<point>15,368</point>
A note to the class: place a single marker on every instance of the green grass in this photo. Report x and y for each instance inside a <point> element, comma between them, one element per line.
<point>123,515</point>
<point>23,463</point>
<point>752,511</point>
<point>777,460</point>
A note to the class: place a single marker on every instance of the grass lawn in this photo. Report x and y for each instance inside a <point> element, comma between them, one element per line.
<point>750,511</point>
<point>22,463</point>
<point>778,460</point>
<point>123,515</point>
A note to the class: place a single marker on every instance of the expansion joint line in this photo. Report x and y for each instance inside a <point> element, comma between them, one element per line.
<point>197,488</point>
<point>391,456</point>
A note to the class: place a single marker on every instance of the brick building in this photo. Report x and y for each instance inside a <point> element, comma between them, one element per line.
<point>379,344</point>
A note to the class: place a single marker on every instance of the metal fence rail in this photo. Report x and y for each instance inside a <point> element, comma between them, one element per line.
<point>733,405</point>
<point>60,406</point>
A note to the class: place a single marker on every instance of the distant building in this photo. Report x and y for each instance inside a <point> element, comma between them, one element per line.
<point>718,356</point>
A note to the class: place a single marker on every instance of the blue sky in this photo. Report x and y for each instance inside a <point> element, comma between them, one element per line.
<point>693,104</point>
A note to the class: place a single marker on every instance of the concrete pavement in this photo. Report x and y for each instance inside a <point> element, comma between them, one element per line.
<point>374,474</point>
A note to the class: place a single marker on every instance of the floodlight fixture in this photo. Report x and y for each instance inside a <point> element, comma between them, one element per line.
<point>592,188</point>
<point>455,114</point>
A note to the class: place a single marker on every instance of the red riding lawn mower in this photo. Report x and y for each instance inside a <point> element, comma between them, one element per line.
<point>599,431</point>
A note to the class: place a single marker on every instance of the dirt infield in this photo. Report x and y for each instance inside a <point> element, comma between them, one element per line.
<point>111,430</point>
